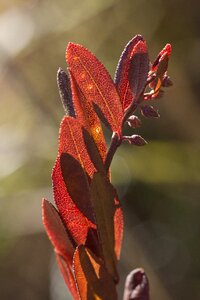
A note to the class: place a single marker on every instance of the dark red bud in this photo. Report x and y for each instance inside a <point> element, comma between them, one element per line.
<point>167,81</point>
<point>149,112</point>
<point>134,121</point>
<point>135,139</point>
<point>136,286</point>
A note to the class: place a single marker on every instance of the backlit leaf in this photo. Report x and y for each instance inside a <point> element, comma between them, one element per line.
<point>118,229</point>
<point>71,142</point>
<point>159,67</point>
<point>139,68</point>
<point>56,231</point>
<point>165,51</point>
<point>161,70</point>
<point>122,72</point>
<point>93,280</point>
<point>66,270</point>
<point>95,83</point>
<point>93,152</point>
<point>75,221</point>
<point>103,201</point>
<point>76,181</point>
<point>87,117</point>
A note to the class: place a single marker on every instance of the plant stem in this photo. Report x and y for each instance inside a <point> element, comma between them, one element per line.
<point>115,143</point>
<point>116,140</point>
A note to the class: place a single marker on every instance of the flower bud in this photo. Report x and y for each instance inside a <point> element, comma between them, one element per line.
<point>136,140</point>
<point>166,81</point>
<point>134,121</point>
<point>149,112</point>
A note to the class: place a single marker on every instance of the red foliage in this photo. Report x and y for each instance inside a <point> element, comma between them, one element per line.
<point>87,229</point>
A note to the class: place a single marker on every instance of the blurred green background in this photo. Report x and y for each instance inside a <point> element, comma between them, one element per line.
<point>158,184</point>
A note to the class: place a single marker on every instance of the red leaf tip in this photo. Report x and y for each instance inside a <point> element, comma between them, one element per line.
<point>168,49</point>
<point>140,47</point>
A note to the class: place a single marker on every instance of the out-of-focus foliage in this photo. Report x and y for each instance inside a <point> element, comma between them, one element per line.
<point>159,184</point>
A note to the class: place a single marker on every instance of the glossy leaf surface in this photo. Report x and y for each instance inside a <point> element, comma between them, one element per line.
<point>95,83</point>
<point>93,280</point>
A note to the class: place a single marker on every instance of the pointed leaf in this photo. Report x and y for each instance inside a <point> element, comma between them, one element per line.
<point>159,67</point>
<point>66,270</point>
<point>161,70</point>
<point>76,181</point>
<point>138,70</point>
<point>121,75</point>
<point>93,152</point>
<point>71,142</point>
<point>165,51</point>
<point>93,280</point>
<point>87,117</point>
<point>56,231</point>
<point>76,222</point>
<point>103,201</point>
<point>95,83</point>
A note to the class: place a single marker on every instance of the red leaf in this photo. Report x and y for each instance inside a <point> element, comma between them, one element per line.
<point>56,231</point>
<point>159,67</point>
<point>118,216</point>
<point>77,224</point>
<point>160,72</point>
<point>165,51</point>
<point>139,68</point>
<point>93,280</point>
<point>76,181</point>
<point>121,75</point>
<point>66,270</point>
<point>103,202</point>
<point>93,152</point>
<point>118,228</point>
<point>95,83</point>
<point>87,117</point>
<point>71,142</point>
